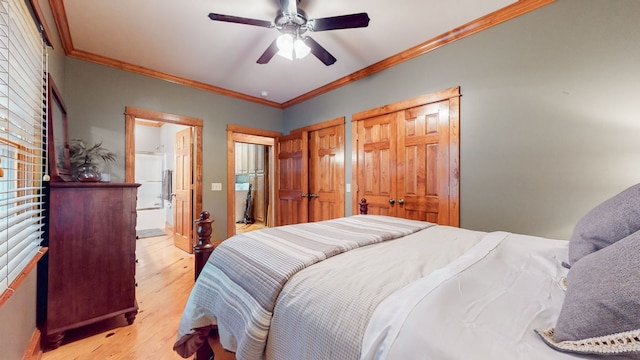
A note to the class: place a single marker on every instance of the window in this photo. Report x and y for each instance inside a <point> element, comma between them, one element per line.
<point>22,133</point>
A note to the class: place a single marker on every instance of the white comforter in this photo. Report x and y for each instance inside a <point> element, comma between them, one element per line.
<point>484,305</point>
<point>323,310</point>
<point>440,293</point>
<point>240,284</point>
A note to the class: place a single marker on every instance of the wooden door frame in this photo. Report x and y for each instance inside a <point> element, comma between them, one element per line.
<point>249,136</point>
<point>131,113</point>
<point>451,94</point>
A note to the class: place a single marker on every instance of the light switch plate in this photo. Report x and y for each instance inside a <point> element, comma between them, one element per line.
<point>216,186</point>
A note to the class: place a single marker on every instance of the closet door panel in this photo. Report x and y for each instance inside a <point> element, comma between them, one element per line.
<point>326,173</point>
<point>377,163</point>
<point>423,187</point>
<point>293,179</point>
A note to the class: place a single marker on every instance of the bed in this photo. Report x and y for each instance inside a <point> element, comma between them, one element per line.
<point>377,287</point>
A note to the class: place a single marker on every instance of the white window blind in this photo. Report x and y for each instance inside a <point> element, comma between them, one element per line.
<point>22,134</point>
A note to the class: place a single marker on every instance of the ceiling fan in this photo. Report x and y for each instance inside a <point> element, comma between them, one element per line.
<point>292,23</point>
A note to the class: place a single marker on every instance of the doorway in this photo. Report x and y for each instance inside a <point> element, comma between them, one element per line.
<point>252,180</point>
<point>184,236</point>
<point>250,164</point>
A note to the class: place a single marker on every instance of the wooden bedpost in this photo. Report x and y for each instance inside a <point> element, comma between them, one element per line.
<point>364,207</point>
<point>203,249</point>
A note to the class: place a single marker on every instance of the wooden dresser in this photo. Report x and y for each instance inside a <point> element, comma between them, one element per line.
<point>91,259</point>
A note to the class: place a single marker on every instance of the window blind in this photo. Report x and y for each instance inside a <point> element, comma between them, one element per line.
<point>22,135</point>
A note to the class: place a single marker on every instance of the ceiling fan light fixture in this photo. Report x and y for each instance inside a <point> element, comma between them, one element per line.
<point>292,23</point>
<point>291,47</point>
<point>301,48</point>
<point>285,45</point>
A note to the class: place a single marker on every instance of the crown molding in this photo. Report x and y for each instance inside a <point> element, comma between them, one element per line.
<point>497,17</point>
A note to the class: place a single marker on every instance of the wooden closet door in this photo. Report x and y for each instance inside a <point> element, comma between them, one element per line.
<point>407,158</point>
<point>292,179</point>
<point>423,163</point>
<point>376,166</point>
<point>326,173</point>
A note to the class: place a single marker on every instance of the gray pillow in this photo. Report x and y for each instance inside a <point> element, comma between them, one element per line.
<point>606,223</point>
<point>601,311</point>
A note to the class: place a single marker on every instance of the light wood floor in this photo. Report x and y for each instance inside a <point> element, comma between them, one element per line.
<point>243,228</point>
<point>165,277</point>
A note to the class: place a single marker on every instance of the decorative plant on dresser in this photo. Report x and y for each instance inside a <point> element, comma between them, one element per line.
<point>91,260</point>
<point>83,160</point>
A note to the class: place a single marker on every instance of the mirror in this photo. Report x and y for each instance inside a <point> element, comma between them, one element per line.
<point>57,136</point>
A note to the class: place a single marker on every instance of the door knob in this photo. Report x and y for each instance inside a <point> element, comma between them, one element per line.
<point>392,201</point>
<point>400,201</point>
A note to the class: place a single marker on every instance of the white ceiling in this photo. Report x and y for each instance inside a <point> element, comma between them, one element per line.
<point>176,37</point>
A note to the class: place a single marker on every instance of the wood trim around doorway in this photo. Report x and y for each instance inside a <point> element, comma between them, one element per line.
<point>245,135</point>
<point>131,114</point>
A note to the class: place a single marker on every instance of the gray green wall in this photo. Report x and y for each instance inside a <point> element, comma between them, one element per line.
<point>18,319</point>
<point>96,97</point>
<point>550,117</point>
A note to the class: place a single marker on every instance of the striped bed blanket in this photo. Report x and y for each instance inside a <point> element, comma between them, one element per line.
<point>239,285</point>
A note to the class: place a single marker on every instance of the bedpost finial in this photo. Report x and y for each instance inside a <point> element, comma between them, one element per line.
<point>204,228</point>
<point>203,248</point>
<point>204,215</point>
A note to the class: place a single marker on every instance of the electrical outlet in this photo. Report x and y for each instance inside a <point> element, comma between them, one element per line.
<point>216,186</point>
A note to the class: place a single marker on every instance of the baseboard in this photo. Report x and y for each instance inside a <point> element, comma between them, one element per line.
<point>168,228</point>
<point>34,350</point>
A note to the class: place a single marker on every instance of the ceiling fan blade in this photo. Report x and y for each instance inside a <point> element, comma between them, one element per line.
<point>339,22</point>
<point>268,54</point>
<point>318,51</point>
<point>240,20</point>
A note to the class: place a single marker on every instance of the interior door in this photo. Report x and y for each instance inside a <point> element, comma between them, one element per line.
<point>261,201</point>
<point>376,165</point>
<point>423,163</point>
<point>182,217</point>
<point>326,173</point>
<point>293,202</point>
